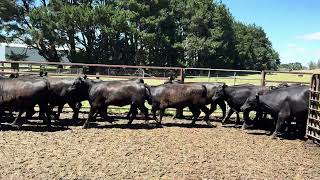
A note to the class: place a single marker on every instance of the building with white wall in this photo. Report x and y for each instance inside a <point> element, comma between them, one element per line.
<point>31,53</point>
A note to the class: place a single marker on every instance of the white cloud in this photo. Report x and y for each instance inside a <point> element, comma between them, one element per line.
<point>310,37</point>
<point>295,48</point>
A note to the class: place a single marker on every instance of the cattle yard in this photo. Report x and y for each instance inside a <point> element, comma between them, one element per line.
<point>138,151</point>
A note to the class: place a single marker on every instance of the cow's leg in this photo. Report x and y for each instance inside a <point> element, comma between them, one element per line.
<point>226,118</point>
<point>45,108</point>
<point>133,110</point>
<point>30,113</point>
<point>92,112</point>
<point>213,107</point>
<point>16,122</point>
<point>144,110</point>
<point>76,109</point>
<point>206,117</point>
<point>161,114</point>
<point>301,123</point>
<point>238,118</point>
<point>246,119</point>
<point>154,113</point>
<point>258,119</point>
<point>282,116</point>
<point>103,110</point>
<point>1,114</point>
<point>179,113</point>
<point>60,107</point>
<point>134,113</point>
<point>196,113</point>
<point>223,107</point>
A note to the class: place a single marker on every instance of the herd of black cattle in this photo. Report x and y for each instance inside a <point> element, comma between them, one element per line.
<point>287,104</point>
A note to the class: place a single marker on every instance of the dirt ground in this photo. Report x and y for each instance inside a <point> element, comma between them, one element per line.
<point>175,151</point>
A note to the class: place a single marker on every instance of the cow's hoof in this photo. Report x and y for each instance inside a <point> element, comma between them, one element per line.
<point>85,126</point>
<point>192,124</point>
<point>18,126</point>
<point>245,126</point>
<point>274,136</point>
<point>211,125</point>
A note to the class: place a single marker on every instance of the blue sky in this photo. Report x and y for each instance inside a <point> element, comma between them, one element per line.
<point>293,26</point>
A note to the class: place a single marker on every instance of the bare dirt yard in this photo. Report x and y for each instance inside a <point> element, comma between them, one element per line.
<point>175,151</point>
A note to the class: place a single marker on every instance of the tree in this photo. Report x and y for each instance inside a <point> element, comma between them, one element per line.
<point>312,65</point>
<point>254,50</point>
<point>200,33</point>
<point>30,23</point>
<point>291,66</point>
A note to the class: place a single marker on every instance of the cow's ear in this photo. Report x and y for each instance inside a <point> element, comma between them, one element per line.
<point>224,85</point>
<point>45,74</point>
<point>85,76</point>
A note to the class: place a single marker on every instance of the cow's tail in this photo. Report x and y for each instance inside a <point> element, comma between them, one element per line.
<point>148,93</point>
<point>204,93</point>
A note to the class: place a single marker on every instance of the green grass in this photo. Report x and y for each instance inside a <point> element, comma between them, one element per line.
<point>252,79</point>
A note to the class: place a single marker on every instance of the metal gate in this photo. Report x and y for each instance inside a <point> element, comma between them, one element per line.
<point>313,124</point>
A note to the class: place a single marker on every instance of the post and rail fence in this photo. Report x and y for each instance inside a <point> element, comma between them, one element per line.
<point>229,76</point>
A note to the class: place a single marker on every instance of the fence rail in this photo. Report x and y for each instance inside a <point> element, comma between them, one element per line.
<point>159,73</point>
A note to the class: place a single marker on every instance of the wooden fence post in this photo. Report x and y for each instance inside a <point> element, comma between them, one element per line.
<point>182,75</point>
<point>179,111</point>
<point>263,78</point>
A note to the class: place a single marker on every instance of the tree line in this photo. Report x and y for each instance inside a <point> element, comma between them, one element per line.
<point>314,64</point>
<point>188,33</point>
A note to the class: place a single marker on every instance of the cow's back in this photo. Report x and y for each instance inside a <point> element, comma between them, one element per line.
<point>182,95</point>
<point>23,92</point>
<point>117,93</point>
<point>297,97</point>
<point>237,95</point>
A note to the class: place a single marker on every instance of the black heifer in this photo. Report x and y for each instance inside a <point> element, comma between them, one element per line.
<point>283,104</point>
<point>22,95</point>
<point>211,92</point>
<point>58,94</point>
<point>118,93</point>
<point>236,96</point>
<point>59,97</point>
<point>179,96</point>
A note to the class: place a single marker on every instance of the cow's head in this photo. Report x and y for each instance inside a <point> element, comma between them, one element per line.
<point>221,92</point>
<point>252,103</point>
<point>79,86</point>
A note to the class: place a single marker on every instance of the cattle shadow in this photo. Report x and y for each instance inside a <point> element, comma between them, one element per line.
<point>187,125</point>
<point>211,118</point>
<point>33,128</point>
<point>281,136</point>
<point>125,126</point>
